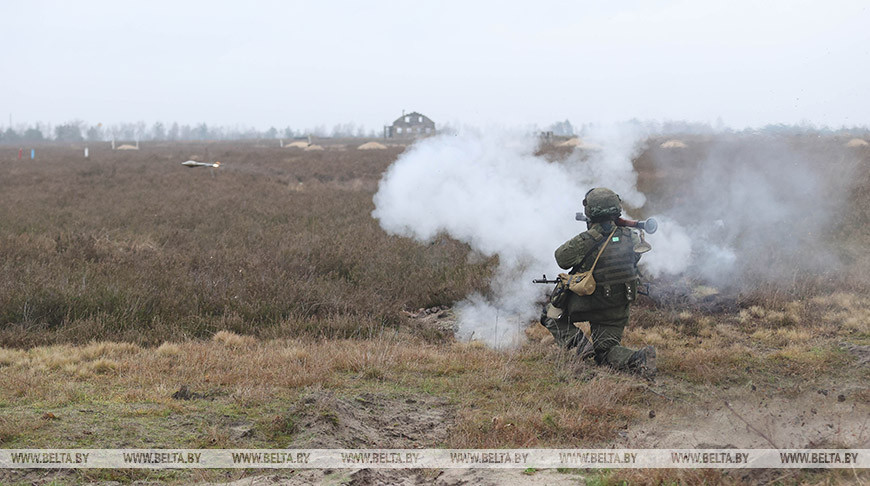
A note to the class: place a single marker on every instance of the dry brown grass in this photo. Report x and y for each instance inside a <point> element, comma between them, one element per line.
<point>279,243</point>
<point>789,339</point>
<point>169,349</point>
<point>232,340</point>
<point>132,246</point>
<point>128,276</point>
<point>503,387</point>
<point>530,397</point>
<point>81,361</point>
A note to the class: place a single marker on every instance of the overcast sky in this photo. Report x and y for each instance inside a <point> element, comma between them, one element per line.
<point>302,64</point>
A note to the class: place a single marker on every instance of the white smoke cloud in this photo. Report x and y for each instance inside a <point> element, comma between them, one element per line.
<point>752,212</point>
<point>612,166</point>
<point>489,190</point>
<point>672,252</point>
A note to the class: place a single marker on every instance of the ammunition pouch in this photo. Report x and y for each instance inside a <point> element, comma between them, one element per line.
<point>628,288</point>
<point>582,283</point>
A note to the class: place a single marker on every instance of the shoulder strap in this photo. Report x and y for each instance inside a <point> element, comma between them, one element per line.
<point>596,235</point>
<point>609,237</point>
<point>598,240</point>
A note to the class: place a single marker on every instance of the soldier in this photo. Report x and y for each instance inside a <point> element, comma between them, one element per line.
<point>615,273</point>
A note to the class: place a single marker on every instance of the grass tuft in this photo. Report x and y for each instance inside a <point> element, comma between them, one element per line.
<point>232,339</point>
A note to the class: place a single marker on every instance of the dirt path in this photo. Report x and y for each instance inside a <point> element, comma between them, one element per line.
<point>834,418</point>
<point>369,420</point>
<point>449,477</point>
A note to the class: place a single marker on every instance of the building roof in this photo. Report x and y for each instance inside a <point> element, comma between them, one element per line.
<point>414,118</point>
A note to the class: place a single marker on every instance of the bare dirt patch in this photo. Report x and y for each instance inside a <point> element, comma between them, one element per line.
<point>818,418</point>
<point>861,353</point>
<point>461,477</point>
<point>448,477</point>
<point>370,420</point>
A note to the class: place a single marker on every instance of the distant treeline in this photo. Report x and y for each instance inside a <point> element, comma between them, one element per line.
<point>79,131</point>
<point>654,128</point>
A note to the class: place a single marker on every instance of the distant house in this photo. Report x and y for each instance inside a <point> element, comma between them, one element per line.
<point>410,125</point>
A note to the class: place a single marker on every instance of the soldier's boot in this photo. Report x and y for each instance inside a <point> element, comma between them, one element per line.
<point>643,362</point>
<point>583,345</point>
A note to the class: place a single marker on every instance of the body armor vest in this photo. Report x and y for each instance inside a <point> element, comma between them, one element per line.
<point>618,263</point>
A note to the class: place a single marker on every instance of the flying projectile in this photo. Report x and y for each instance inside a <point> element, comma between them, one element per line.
<point>193,163</point>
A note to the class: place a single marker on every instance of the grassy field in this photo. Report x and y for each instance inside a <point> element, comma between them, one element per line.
<point>266,291</point>
<point>132,246</point>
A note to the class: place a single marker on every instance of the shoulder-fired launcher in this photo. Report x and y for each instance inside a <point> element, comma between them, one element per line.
<point>650,225</point>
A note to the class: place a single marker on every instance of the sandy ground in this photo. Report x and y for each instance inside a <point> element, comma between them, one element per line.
<point>814,419</point>
<point>450,477</point>
<point>390,422</point>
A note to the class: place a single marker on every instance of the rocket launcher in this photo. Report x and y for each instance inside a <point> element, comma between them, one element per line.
<point>649,225</point>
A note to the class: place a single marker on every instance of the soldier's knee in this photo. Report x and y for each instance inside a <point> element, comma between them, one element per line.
<point>561,330</point>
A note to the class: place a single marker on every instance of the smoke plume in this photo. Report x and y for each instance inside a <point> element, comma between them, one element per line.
<point>489,190</point>
<point>739,213</point>
<point>753,210</point>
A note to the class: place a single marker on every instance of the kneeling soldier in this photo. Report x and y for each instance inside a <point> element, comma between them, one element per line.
<point>610,249</point>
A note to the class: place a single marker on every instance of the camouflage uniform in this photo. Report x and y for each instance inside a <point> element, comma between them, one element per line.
<point>607,309</point>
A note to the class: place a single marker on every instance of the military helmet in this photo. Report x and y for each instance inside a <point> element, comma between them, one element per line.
<point>602,204</point>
